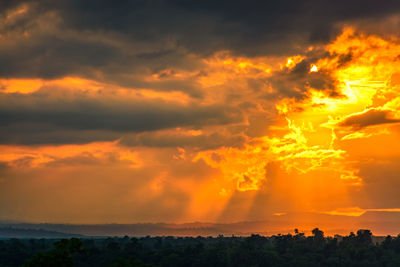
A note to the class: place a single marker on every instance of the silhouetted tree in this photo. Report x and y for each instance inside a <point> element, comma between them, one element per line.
<point>60,256</point>
<point>364,237</point>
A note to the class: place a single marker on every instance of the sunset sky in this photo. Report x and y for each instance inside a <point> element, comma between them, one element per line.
<point>212,111</point>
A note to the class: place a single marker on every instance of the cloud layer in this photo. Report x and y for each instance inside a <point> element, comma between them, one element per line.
<point>171,110</point>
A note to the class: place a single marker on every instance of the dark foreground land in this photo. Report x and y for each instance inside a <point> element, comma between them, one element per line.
<point>281,250</point>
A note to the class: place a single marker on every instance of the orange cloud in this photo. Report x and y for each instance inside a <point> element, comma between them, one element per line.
<point>22,86</point>
<point>348,211</point>
<point>33,157</point>
<point>76,84</point>
<point>356,211</point>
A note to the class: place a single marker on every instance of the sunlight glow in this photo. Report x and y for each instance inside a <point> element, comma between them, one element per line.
<point>313,68</point>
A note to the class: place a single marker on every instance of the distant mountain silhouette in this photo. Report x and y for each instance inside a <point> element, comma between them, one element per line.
<point>12,232</point>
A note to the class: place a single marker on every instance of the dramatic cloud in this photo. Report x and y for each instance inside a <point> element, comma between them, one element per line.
<point>34,118</point>
<point>369,117</point>
<point>172,110</point>
<point>52,39</point>
<point>297,80</point>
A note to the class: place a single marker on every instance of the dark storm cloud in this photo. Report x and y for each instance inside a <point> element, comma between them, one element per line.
<point>200,142</point>
<point>242,25</point>
<point>367,118</point>
<point>54,57</point>
<point>135,33</point>
<point>43,118</point>
<point>37,134</point>
<point>297,81</point>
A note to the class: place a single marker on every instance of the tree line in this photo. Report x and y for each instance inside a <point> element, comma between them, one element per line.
<point>355,249</point>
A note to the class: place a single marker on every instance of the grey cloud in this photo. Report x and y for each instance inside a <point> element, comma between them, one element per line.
<point>367,118</point>
<point>54,58</point>
<point>44,116</point>
<point>200,142</point>
<point>37,134</point>
<point>136,33</point>
<point>242,26</point>
<point>296,82</point>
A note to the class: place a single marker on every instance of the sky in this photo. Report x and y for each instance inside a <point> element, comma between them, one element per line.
<point>211,111</point>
